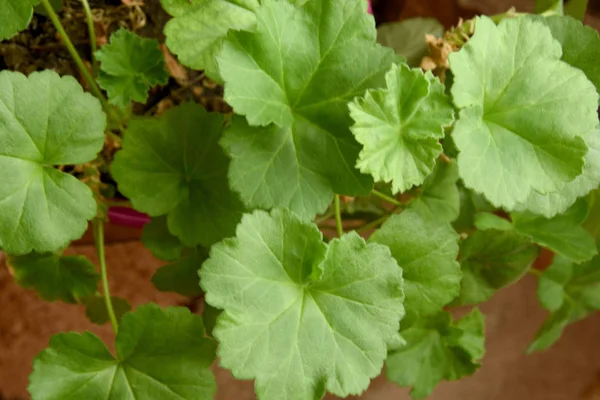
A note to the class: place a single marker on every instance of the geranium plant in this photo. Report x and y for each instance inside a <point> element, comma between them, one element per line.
<point>442,179</point>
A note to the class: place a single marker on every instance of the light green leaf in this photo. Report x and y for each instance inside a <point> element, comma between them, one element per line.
<point>300,316</point>
<point>161,354</point>
<point>491,260</point>
<point>15,16</point>
<point>570,292</point>
<point>45,120</point>
<point>562,234</point>
<point>54,277</point>
<point>437,349</point>
<point>173,165</point>
<point>162,243</point>
<point>129,66</point>
<point>400,127</point>
<point>95,308</point>
<point>310,153</point>
<point>426,250</point>
<point>517,134</point>
<point>576,8</point>
<point>555,6</point>
<point>181,276</point>
<point>487,221</point>
<point>440,196</point>
<point>551,204</point>
<point>407,37</point>
<point>198,28</point>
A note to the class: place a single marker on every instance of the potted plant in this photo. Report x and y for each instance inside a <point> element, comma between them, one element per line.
<point>331,218</point>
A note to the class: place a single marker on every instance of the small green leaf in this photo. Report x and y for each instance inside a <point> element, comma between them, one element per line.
<point>440,195</point>
<point>400,127</point>
<point>181,276</point>
<point>173,165</point>
<point>551,330</point>
<point>162,243</point>
<point>487,221</point>
<point>555,6</point>
<point>95,308</point>
<point>161,354</point>
<point>437,349</point>
<point>517,134</point>
<point>407,37</point>
<point>426,250</point>
<point>15,16</point>
<point>471,203</point>
<point>491,260</point>
<point>300,316</point>
<point>209,317</point>
<point>198,28</point>
<point>46,120</point>
<point>576,8</point>
<point>54,277</point>
<point>129,66</point>
<point>562,234</point>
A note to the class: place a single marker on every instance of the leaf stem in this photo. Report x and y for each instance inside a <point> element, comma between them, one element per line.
<point>338,216</point>
<point>98,228</point>
<point>92,34</point>
<point>78,61</point>
<point>386,198</point>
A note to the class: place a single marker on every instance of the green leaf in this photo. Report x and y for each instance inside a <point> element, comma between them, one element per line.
<point>300,316</point>
<point>487,221</point>
<point>46,120</point>
<point>161,354</point>
<point>173,165</point>
<point>580,44</point>
<point>551,204</point>
<point>471,203</point>
<point>562,234</point>
<point>181,276</point>
<point>491,260</point>
<point>400,127</point>
<point>54,277</point>
<point>15,16</point>
<point>570,292</point>
<point>95,308</point>
<point>57,5</point>
<point>426,250</point>
<point>198,28</point>
<point>209,317</point>
<point>407,37</point>
<point>162,243</point>
<point>576,8</point>
<point>440,195</point>
<point>555,6</point>
<point>310,153</point>
<point>517,134</point>
<point>437,349</point>
<point>129,66</point>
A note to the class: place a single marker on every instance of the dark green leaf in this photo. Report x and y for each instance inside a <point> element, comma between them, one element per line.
<point>162,243</point>
<point>95,308</point>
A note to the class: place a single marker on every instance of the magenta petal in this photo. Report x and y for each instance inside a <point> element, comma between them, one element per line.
<point>370,9</point>
<point>127,216</point>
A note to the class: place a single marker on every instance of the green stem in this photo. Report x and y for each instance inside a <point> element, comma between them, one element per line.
<point>386,198</point>
<point>80,65</point>
<point>374,224</point>
<point>92,34</point>
<point>98,227</point>
<point>338,216</point>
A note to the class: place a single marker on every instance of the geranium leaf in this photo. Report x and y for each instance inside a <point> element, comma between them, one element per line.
<point>570,292</point>
<point>407,37</point>
<point>181,276</point>
<point>198,28</point>
<point>95,308</point>
<point>303,92</point>
<point>551,204</point>
<point>426,250</point>
<point>173,165</point>
<point>562,234</point>
<point>15,16</point>
<point>516,133</point>
<point>555,6</point>
<point>54,277</point>
<point>576,8</point>
<point>437,349</point>
<point>50,122</point>
<point>487,221</point>
<point>300,316</point>
<point>400,127</point>
<point>161,353</point>
<point>491,260</point>
<point>129,66</point>
<point>440,195</point>
<point>162,243</point>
